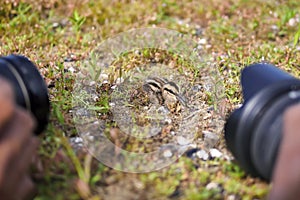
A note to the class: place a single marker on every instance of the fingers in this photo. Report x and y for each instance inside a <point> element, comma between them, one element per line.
<point>6,101</point>
<point>292,117</point>
<point>17,147</point>
<point>26,189</point>
<point>15,136</point>
<point>22,161</point>
<point>18,130</point>
<point>286,176</point>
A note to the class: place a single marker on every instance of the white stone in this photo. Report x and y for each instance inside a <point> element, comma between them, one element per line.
<point>111,104</point>
<point>202,41</point>
<point>292,22</point>
<point>274,28</point>
<point>208,46</point>
<point>103,77</point>
<point>167,153</point>
<point>145,108</point>
<point>202,155</point>
<point>119,80</point>
<point>168,120</point>
<point>55,25</point>
<point>72,69</point>
<point>163,110</point>
<point>215,153</point>
<point>231,197</point>
<point>211,186</point>
<point>76,140</point>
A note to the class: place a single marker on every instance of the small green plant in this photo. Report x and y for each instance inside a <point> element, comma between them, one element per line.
<point>77,21</point>
<point>23,15</point>
<point>233,169</point>
<point>297,37</point>
<point>287,14</point>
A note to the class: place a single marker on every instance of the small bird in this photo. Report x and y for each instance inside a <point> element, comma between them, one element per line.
<point>153,86</point>
<point>171,96</point>
<point>164,92</point>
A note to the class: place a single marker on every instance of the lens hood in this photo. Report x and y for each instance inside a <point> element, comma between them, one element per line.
<point>29,86</point>
<point>253,132</point>
<point>248,134</point>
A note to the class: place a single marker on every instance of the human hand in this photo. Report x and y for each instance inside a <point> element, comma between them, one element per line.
<point>17,147</point>
<point>286,175</point>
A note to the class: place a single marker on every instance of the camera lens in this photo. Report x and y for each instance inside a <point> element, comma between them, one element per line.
<point>253,132</point>
<point>29,87</point>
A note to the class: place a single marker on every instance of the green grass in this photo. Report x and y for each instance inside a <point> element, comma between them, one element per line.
<point>239,32</point>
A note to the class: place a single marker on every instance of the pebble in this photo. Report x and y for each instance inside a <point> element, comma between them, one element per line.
<point>105,82</point>
<point>292,22</point>
<point>210,138</point>
<point>211,186</point>
<point>274,28</point>
<point>231,197</point>
<point>202,41</point>
<point>208,46</point>
<point>167,153</point>
<point>76,142</point>
<point>96,122</point>
<point>200,47</point>
<point>183,141</point>
<point>90,138</point>
<point>72,69</point>
<point>55,25</point>
<point>139,185</point>
<point>119,80</point>
<point>168,121</point>
<point>111,104</point>
<point>202,154</point>
<point>215,153</point>
<point>163,109</point>
<point>76,139</point>
<point>103,77</point>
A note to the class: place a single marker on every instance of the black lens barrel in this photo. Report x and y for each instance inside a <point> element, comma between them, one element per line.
<point>29,87</point>
<point>254,131</point>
